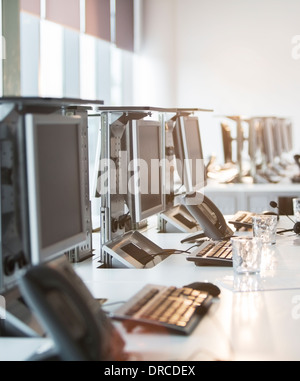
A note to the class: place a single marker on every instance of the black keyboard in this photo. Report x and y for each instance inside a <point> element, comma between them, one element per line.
<point>242,220</point>
<point>212,253</point>
<point>176,309</point>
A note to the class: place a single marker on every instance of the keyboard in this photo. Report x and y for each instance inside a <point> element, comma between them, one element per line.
<point>212,253</point>
<point>178,310</point>
<point>242,220</point>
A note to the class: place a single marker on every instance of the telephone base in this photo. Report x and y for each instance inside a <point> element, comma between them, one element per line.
<point>194,237</point>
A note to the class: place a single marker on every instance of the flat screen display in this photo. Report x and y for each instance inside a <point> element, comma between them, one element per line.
<point>55,183</point>
<point>189,153</point>
<point>147,155</point>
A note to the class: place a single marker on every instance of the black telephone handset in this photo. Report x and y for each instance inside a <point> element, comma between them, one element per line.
<point>209,217</point>
<point>73,318</point>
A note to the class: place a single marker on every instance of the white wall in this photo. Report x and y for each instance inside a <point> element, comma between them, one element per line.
<point>234,56</point>
<point>155,61</point>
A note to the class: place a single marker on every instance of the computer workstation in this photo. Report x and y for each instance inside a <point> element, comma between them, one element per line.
<point>143,195</point>
<point>259,148</point>
<point>241,324</point>
<point>268,160</point>
<point>146,175</point>
<point>183,146</point>
<point>55,185</point>
<point>254,318</point>
<point>116,284</point>
<point>125,177</point>
<point>45,205</point>
<point>191,172</point>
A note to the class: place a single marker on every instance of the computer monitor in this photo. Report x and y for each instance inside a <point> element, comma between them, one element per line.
<point>268,140</point>
<point>55,185</point>
<point>255,146</point>
<point>287,135</point>
<point>255,139</point>
<point>227,142</point>
<point>289,132</point>
<point>189,153</point>
<point>277,138</point>
<point>145,184</point>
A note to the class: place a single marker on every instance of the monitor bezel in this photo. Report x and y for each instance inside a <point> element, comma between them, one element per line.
<point>38,253</point>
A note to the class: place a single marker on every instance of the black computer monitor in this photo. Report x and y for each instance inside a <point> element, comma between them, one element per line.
<point>56,194</point>
<point>145,183</point>
<point>189,153</point>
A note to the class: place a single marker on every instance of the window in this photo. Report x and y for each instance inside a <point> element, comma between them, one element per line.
<point>97,18</point>
<point>124,25</point>
<point>31,6</point>
<point>66,12</point>
<point>78,49</point>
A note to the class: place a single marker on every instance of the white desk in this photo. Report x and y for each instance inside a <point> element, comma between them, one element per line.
<point>262,323</point>
<point>22,349</point>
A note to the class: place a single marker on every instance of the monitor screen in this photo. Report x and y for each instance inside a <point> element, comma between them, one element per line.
<point>146,183</point>
<point>55,185</point>
<point>189,153</point>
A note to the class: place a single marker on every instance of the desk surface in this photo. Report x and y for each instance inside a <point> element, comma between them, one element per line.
<point>255,318</point>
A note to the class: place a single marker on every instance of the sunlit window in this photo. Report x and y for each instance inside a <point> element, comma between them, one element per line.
<point>88,73</point>
<point>72,48</point>
<point>51,60</point>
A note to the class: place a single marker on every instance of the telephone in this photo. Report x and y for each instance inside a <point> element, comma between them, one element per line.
<point>73,318</point>
<point>209,217</point>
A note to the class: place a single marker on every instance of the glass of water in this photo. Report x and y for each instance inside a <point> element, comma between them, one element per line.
<point>265,227</point>
<point>246,255</point>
